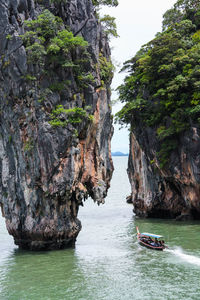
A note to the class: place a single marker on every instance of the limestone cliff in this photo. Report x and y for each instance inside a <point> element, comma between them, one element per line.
<point>162,108</point>
<point>55,119</point>
<point>169,192</point>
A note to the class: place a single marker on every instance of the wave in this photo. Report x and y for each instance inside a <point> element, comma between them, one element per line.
<point>186,257</point>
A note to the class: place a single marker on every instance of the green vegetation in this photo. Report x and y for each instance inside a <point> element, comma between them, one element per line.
<point>45,94</point>
<point>29,145</point>
<point>50,45</point>
<point>10,139</point>
<point>85,80</point>
<point>6,63</point>
<point>105,2</point>
<point>29,77</point>
<point>59,86</point>
<point>9,37</point>
<point>109,25</point>
<point>162,89</point>
<point>107,21</point>
<point>106,69</point>
<point>60,116</point>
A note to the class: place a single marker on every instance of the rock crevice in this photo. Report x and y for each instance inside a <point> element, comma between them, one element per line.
<point>47,171</point>
<point>169,192</point>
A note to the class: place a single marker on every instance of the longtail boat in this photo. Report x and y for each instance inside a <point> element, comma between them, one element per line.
<point>150,240</point>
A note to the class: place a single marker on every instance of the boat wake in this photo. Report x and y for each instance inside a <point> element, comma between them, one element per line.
<point>186,257</point>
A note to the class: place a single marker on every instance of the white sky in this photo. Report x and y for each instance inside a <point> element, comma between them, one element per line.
<point>137,23</point>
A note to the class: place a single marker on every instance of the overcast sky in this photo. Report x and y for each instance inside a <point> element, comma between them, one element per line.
<point>137,21</point>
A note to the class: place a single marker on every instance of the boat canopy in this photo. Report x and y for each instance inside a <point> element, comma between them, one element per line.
<point>155,236</point>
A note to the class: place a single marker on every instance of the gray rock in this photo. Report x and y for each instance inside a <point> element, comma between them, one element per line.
<point>46,172</point>
<point>169,192</point>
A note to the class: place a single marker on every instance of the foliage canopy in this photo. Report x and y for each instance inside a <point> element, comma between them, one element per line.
<point>60,116</point>
<point>48,42</point>
<point>105,2</point>
<point>110,26</point>
<point>162,89</point>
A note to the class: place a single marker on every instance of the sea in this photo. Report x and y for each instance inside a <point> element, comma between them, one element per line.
<point>107,263</point>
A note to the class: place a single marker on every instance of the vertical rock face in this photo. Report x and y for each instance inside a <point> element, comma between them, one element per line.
<point>47,171</point>
<point>169,192</point>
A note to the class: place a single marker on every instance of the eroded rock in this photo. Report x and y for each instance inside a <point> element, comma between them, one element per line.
<point>46,171</point>
<point>169,192</point>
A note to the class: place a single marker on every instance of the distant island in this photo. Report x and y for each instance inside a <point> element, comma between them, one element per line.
<point>118,153</point>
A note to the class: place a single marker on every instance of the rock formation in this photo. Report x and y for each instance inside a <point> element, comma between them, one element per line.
<point>49,164</point>
<point>169,192</point>
<point>162,107</point>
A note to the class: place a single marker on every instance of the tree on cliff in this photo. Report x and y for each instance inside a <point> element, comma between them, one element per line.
<point>55,78</point>
<point>182,9</point>
<point>162,89</point>
<point>105,2</point>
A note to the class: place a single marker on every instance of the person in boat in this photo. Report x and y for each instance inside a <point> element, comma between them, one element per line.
<point>155,243</point>
<point>147,240</point>
<point>144,239</point>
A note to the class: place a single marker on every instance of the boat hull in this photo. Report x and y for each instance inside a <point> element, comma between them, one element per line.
<point>145,240</point>
<point>160,248</point>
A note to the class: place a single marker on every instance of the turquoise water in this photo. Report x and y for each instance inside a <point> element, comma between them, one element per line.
<point>107,263</point>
